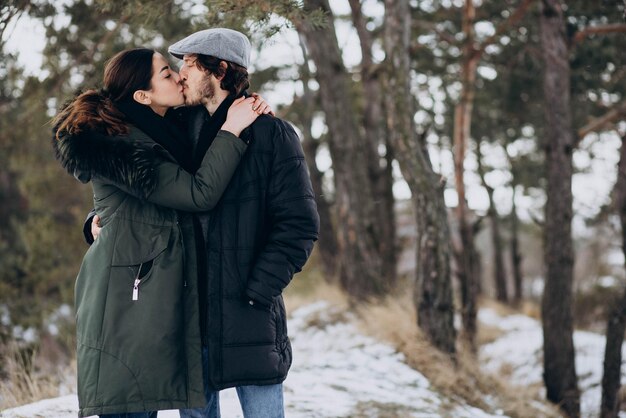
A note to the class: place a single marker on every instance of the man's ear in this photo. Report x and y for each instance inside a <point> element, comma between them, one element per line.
<point>142,97</point>
<point>223,69</point>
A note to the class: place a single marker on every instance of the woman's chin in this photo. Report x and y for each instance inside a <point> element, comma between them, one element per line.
<point>181,101</point>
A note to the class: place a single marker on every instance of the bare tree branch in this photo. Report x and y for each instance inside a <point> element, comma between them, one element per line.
<point>600,29</point>
<point>442,34</point>
<point>88,55</point>
<point>9,11</point>
<point>597,123</point>
<point>512,20</point>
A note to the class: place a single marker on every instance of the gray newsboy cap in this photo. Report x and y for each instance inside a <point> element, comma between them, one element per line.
<point>222,43</point>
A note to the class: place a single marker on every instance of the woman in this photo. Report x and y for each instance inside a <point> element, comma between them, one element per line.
<point>136,294</point>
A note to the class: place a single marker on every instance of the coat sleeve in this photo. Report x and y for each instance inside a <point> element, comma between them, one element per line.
<point>178,189</point>
<point>181,190</point>
<point>293,217</point>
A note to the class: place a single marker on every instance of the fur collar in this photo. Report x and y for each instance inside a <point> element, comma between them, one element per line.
<point>129,161</point>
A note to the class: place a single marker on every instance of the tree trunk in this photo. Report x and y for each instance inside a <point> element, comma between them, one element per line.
<point>617,318</point>
<point>496,238</point>
<point>433,290</point>
<point>379,169</point>
<point>516,261</point>
<point>462,128</point>
<point>558,346</point>
<point>516,256</point>
<point>613,358</point>
<point>327,243</point>
<point>362,275</point>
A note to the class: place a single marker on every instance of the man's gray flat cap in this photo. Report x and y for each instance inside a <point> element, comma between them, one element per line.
<point>222,43</point>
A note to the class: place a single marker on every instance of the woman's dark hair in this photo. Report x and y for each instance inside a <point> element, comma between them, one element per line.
<point>235,76</point>
<point>94,110</point>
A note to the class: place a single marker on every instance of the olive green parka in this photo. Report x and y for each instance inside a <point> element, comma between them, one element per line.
<point>136,296</point>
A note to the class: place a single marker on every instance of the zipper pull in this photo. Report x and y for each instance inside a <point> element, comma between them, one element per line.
<point>136,284</point>
<point>136,289</point>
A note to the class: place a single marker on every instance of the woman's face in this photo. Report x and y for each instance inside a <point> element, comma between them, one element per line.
<point>165,91</point>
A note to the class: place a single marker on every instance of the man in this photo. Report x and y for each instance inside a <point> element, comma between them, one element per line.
<point>255,240</point>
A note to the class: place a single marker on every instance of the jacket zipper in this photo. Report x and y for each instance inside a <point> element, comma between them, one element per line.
<point>136,283</point>
<point>201,273</point>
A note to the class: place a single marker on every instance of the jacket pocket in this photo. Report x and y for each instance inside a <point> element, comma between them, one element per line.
<point>136,244</point>
<point>135,256</point>
<point>243,324</point>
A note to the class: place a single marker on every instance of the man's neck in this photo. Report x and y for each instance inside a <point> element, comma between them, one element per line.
<point>214,102</point>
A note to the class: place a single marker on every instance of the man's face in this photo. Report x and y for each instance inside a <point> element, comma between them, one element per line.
<point>199,86</point>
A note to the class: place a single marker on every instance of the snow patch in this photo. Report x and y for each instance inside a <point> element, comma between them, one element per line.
<point>63,407</point>
<point>28,335</point>
<point>521,350</point>
<point>5,315</point>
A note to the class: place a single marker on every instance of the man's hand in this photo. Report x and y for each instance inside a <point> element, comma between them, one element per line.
<point>95,227</point>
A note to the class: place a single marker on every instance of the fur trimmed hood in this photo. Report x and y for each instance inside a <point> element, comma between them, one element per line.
<point>129,161</point>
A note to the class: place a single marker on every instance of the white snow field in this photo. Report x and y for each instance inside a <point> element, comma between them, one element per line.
<point>337,372</point>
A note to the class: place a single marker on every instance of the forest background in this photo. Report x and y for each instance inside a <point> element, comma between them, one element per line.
<point>460,151</point>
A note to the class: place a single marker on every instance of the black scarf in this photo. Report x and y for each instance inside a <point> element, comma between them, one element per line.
<point>212,125</point>
<point>161,129</point>
<point>209,130</point>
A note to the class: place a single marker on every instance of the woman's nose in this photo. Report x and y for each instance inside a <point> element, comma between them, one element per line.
<point>176,77</point>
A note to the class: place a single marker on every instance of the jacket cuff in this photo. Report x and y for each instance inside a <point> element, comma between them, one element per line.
<point>242,139</point>
<point>87,227</point>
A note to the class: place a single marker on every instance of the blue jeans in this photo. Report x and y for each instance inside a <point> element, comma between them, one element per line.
<point>256,401</point>
<point>131,415</point>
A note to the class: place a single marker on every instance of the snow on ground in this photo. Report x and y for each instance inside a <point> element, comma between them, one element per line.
<point>337,372</point>
<point>520,349</point>
<point>356,373</point>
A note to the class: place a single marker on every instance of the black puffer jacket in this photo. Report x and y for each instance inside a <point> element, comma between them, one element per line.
<point>259,235</point>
